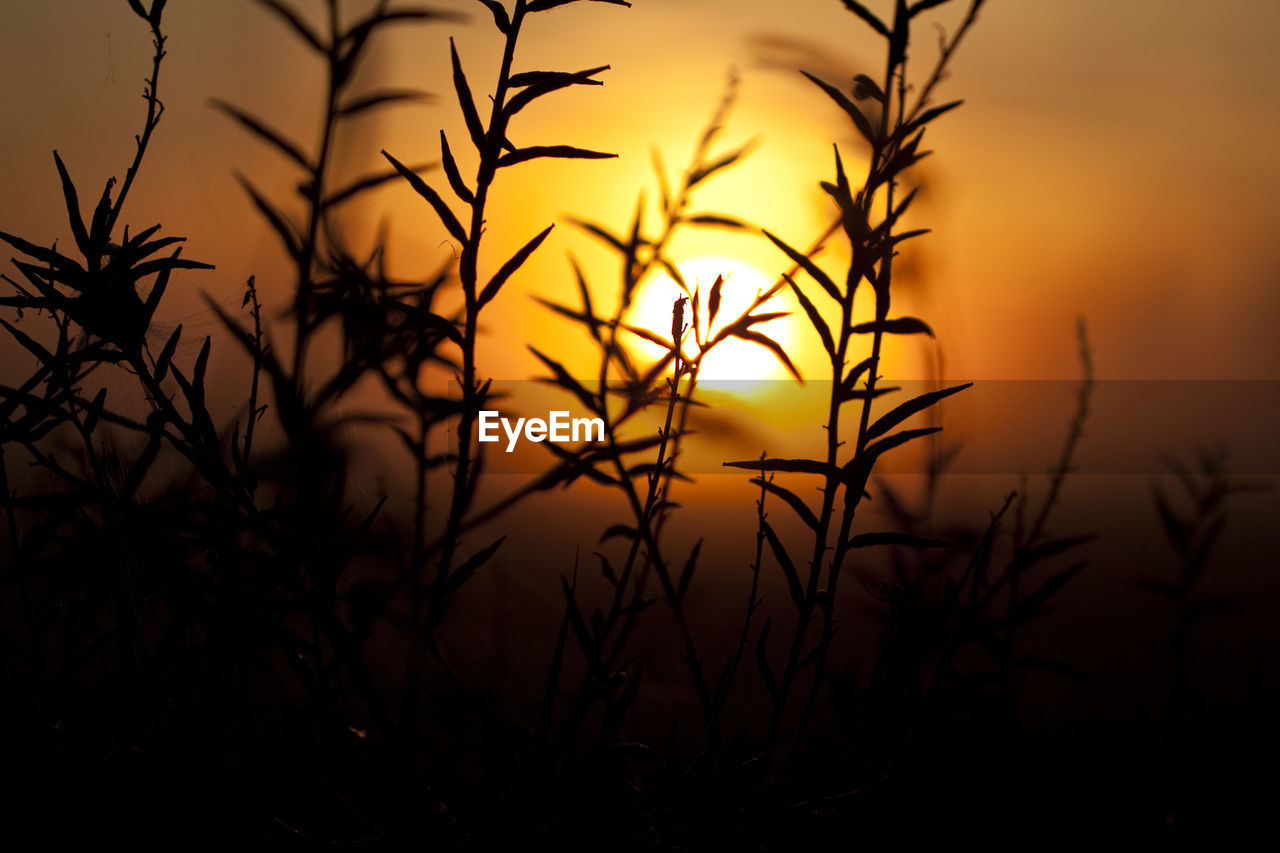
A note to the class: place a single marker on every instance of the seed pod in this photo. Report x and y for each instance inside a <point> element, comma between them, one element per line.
<point>677,320</point>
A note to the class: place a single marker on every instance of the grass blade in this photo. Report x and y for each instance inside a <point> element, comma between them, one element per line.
<point>513,263</point>
<point>286,146</point>
<point>896,416</point>
<point>896,326</point>
<point>560,151</point>
<point>73,208</point>
<point>433,198</point>
<point>784,560</point>
<point>459,186</point>
<point>468,104</point>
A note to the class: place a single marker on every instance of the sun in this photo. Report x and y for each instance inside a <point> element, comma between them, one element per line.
<point>733,363</point>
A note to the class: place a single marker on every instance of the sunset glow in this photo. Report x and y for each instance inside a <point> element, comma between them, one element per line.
<point>734,360</point>
<point>640,424</point>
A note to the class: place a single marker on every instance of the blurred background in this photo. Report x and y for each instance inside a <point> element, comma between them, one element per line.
<point>1113,162</point>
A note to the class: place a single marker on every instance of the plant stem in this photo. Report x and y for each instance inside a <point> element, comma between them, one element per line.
<point>154,110</point>
<point>315,213</point>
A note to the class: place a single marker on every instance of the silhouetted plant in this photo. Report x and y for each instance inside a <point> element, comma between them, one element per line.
<point>604,642</point>
<point>894,129</point>
<point>206,593</point>
<point>1192,524</point>
<point>952,650</point>
<point>64,540</point>
<point>390,332</point>
<point>513,91</point>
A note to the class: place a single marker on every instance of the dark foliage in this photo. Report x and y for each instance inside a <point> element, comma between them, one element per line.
<point>194,643</point>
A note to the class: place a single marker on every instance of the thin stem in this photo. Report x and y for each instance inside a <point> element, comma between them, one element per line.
<point>315,212</point>
<point>155,109</point>
<point>255,311</point>
<point>1075,433</point>
<point>725,684</point>
<point>435,596</point>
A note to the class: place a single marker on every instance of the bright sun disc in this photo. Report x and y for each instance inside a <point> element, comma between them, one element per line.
<point>733,364</point>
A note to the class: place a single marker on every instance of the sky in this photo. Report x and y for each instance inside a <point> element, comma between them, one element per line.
<point>1112,161</point>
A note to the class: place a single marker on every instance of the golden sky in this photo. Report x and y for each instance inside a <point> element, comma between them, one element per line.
<point>1112,160</point>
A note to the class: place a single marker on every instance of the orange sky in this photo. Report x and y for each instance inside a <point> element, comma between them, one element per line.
<point>1112,160</point>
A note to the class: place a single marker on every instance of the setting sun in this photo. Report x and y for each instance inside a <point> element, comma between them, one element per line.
<point>732,360</point>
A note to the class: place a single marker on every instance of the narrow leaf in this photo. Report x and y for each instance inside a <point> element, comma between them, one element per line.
<point>381,97</point>
<point>166,354</point>
<point>561,151</point>
<point>433,198</point>
<point>865,14</point>
<point>202,364</point>
<point>500,18</point>
<point>158,288</point>
<point>283,228</point>
<point>707,170</point>
<point>73,209</point>
<point>369,182</point>
<point>588,310</point>
<point>513,263</point>
<point>538,83</point>
<point>29,343</point>
<point>928,116</point>
<point>713,301</point>
<point>806,263</point>
<point>564,380</point>
<point>143,270</point>
<point>784,560</point>
<point>600,233</point>
<point>793,466</point>
<point>580,629</point>
<point>924,5</point>
<point>899,414</point>
<point>686,576</point>
<point>102,215</point>
<point>864,87</point>
<point>460,188</point>
<point>298,25</point>
<point>622,530</point>
<point>283,144</point>
<point>869,540</point>
<point>897,326</point>
<point>544,5</point>
<point>851,109</point>
<point>897,440</point>
<point>57,260</point>
<point>815,318</point>
<point>649,336</point>
<point>465,100</point>
<point>95,410</point>
<point>715,220</point>
<point>773,347</point>
<point>460,575</point>
<point>793,500</point>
